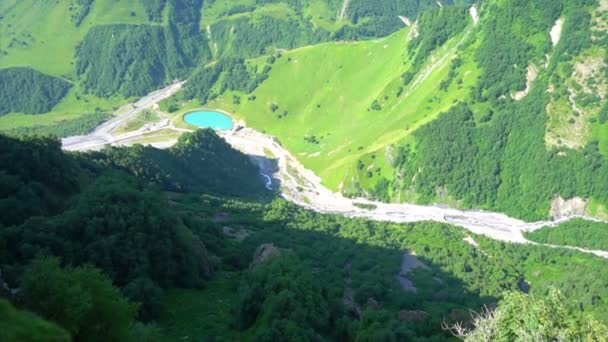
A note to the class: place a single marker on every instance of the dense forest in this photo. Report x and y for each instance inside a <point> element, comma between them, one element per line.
<point>490,151</point>
<point>25,90</point>
<point>576,233</point>
<point>227,74</point>
<point>82,221</point>
<point>141,244</point>
<point>134,59</point>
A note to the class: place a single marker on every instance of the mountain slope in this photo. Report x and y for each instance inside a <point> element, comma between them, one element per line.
<point>357,114</point>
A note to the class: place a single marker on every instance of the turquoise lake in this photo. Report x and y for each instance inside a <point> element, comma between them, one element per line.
<point>209,119</point>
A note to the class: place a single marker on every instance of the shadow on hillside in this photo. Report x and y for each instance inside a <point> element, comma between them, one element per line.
<point>268,168</point>
<point>361,268</point>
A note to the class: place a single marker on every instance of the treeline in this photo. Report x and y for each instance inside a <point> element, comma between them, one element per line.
<point>373,19</point>
<point>576,233</point>
<point>231,73</point>
<point>201,163</point>
<point>154,9</point>
<point>504,53</point>
<point>435,27</point>
<point>246,38</point>
<point>79,10</point>
<point>132,60</point>
<point>25,90</point>
<point>491,153</point>
<point>330,277</point>
<point>99,232</point>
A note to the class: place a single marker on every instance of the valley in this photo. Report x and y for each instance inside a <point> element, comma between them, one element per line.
<point>303,170</point>
<point>304,188</point>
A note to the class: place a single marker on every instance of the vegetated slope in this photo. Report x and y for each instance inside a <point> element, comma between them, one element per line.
<point>501,157</point>
<point>101,51</point>
<point>496,150</point>
<point>199,162</point>
<point>17,325</point>
<point>347,272</point>
<point>333,103</point>
<point>84,209</point>
<point>28,91</point>
<point>42,35</point>
<point>137,59</point>
<point>326,275</point>
<point>577,233</point>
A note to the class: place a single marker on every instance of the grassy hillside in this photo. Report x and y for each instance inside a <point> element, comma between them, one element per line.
<point>323,97</point>
<point>348,110</point>
<point>39,35</point>
<point>113,63</point>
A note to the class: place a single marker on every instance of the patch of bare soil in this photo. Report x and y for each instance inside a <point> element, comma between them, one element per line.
<point>561,208</point>
<point>530,78</point>
<point>409,261</point>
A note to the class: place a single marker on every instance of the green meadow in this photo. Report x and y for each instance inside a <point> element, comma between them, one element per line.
<point>326,117</point>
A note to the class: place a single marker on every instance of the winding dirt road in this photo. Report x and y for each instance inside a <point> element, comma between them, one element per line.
<point>102,136</point>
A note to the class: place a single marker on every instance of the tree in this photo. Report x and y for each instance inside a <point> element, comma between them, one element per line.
<point>81,299</point>
<point>521,317</point>
<point>16,325</point>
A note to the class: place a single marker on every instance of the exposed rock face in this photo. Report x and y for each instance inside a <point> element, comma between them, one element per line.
<point>474,14</point>
<point>556,31</point>
<point>530,78</point>
<point>263,253</point>
<point>411,315</point>
<point>561,208</point>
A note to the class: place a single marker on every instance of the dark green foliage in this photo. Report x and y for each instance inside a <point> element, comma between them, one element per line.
<point>504,164</point>
<point>235,76</point>
<point>578,232</point>
<point>82,300</point>
<point>248,38</point>
<point>282,300</point>
<point>16,325</point>
<point>199,162</point>
<point>80,126</point>
<point>25,90</point>
<point>79,208</point>
<point>519,317</point>
<point>34,179</point>
<point>504,53</point>
<point>79,10</point>
<point>115,224</point>
<point>603,116</point>
<point>375,106</point>
<point>435,28</point>
<point>135,59</point>
<point>362,258</point>
<point>154,9</point>
<point>446,159</point>
<point>380,18</point>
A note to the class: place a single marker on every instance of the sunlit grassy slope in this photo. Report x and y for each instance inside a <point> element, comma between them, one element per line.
<point>324,94</point>
<point>39,34</point>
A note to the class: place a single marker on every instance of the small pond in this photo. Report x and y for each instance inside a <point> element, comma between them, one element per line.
<point>209,119</point>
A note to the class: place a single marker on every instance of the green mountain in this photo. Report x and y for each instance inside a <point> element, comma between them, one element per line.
<point>494,105</point>
<point>127,254</point>
<point>451,111</point>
